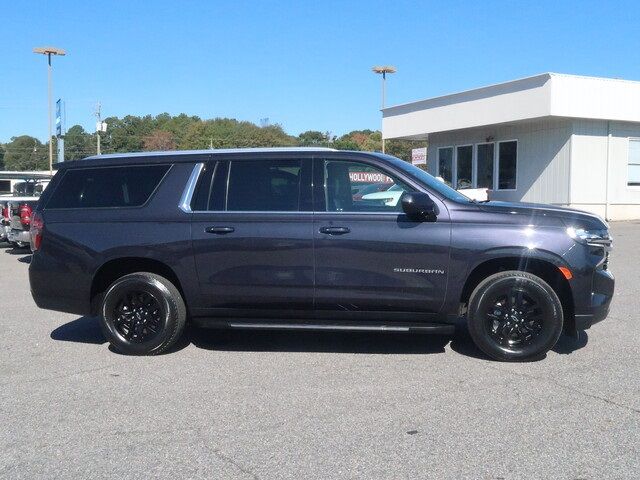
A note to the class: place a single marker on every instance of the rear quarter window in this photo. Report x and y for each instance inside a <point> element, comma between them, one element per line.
<point>107,187</point>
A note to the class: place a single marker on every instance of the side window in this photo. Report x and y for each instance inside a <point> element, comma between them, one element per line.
<point>201,196</point>
<point>264,185</point>
<point>357,187</point>
<point>107,187</point>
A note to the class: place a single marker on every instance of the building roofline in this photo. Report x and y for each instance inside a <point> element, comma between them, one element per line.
<point>499,85</point>
<point>470,90</point>
<point>544,95</point>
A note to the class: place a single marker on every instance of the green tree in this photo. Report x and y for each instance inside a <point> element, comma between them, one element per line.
<point>402,148</point>
<point>2,156</point>
<point>126,134</point>
<point>368,140</point>
<point>26,153</point>
<point>78,143</point>
<point>159,140</point>
<point>313,138</point>
<point>231,133</point>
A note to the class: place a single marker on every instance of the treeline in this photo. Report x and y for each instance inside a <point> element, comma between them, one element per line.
<point>184,132</point>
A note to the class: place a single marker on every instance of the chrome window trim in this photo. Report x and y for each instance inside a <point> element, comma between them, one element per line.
<point>299,212</point>
<point>189,189</point>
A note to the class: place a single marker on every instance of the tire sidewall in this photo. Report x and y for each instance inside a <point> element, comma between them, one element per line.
<point>485,292</point>
<point>156,288</point>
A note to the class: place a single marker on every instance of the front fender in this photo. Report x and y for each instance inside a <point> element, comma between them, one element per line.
<point>473,245</point>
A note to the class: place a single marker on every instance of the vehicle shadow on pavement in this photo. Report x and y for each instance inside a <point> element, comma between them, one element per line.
<point>463,344</point>
<point>567,344</point>
<point>81,330</point>
<point>25,259</point>
<point>87,330</point>
<point>18,251</point>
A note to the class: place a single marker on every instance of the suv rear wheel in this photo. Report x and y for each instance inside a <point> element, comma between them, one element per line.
<point>514,316</point>
<point>142,314</point>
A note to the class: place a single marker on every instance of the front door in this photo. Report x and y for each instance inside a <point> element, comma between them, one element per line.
<point>252,236</point>
<point>369,256</point>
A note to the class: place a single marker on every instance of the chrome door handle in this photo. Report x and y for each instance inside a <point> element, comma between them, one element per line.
<point>219,230</point>
<point>334,230</point>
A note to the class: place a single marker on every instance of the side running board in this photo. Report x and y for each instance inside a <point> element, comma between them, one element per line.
<point>269,324</point>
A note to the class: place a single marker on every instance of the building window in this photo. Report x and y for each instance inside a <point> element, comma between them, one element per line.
<point>633,167</point>
<point>507,163</point>
<point>445,164</point>
<point>484,164</point>
<point>464,164</point>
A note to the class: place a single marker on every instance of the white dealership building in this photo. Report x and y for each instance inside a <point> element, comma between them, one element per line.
<point>551,138</point>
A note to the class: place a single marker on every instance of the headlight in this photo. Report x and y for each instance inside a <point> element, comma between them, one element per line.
<point>596,238</point>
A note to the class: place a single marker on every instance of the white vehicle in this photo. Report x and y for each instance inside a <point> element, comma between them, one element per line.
<point>389,197</point>
<point>479,194</point>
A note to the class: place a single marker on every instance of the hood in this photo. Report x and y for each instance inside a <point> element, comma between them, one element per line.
<point>569,216</point>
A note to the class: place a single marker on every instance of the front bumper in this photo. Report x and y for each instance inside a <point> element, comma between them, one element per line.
<point>601,296</point>
<point>18,236</point>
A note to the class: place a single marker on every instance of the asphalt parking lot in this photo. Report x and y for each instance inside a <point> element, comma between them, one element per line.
<point>330,405</point>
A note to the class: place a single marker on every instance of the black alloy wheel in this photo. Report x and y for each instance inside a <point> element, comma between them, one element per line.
<point>514,316</point>
<point>142,314</point>
<point>138,316</point>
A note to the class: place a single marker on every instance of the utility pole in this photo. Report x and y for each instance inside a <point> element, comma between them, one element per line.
<point>384,70</point>
<point>98,128</point>
<point>48,51</point>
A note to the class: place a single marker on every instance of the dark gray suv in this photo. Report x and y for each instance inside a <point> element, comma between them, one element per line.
<point>283,239</point>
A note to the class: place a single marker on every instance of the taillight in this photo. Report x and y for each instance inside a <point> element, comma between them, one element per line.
<point>5,212</point>
<point>35,232</point>
<point>25,214</point>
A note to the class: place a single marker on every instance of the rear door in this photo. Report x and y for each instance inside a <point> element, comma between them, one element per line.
<point>252,233</point>
<point>370,257</point>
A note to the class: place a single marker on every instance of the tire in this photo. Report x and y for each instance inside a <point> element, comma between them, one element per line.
<point>514,316</point>
<point>142,314</point>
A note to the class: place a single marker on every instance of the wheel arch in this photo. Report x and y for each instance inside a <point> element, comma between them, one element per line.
<point>541,267</point>
<point>118,267</point>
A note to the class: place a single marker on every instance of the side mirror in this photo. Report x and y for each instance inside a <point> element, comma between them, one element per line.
<point>419,206</point>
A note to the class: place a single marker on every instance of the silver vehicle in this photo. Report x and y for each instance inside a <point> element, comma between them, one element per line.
<point>16,209</point>
<point>4,219</point>
<point>19,211</point>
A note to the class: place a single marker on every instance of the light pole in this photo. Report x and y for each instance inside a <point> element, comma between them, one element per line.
<point>384,69</point>
<point>48,51</point>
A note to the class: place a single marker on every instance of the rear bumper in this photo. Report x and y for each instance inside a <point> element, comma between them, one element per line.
<point>52,288</point>
<point>14,235</point>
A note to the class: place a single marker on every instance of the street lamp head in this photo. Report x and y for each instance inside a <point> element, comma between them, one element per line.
<point>49,51</point>
<point>384,69</point>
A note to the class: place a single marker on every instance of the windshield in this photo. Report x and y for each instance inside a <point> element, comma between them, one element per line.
<point>429,180</point>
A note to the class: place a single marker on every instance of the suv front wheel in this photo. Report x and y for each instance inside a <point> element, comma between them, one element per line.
<point>514,316</point>
<point>142,314</point>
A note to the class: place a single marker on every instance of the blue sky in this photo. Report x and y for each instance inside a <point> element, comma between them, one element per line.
<point>304,65</point>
